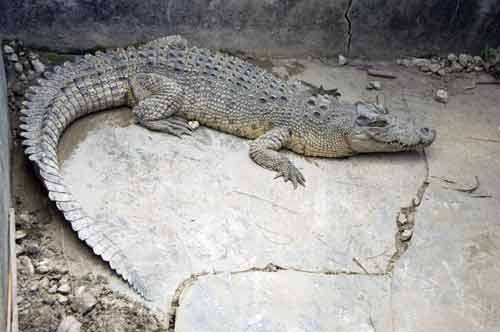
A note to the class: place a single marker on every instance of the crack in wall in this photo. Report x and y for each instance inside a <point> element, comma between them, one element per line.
<point>269,268</point>
<point>347,45</point>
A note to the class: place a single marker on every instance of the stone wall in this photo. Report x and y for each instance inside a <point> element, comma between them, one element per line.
<point>372,28</point>
<point>4,194</point>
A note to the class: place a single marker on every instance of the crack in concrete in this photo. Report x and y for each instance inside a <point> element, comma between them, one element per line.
<point>405,220</point>
<point>269,268</point>
<point>347,47</point>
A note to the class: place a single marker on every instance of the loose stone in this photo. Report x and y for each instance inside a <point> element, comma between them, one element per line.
<point>64,289</point>
<point>83,300</point>
<point>38,66</point>
<point>406,234</point>
<point>374,85</point>
<point>442,96</point>
<point>20,234</point>
<point>18,67</point>
<point>69,324</point>
<point>8,50</point>
<point>342,60</point>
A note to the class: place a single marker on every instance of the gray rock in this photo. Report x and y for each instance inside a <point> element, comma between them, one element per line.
<point>25,265</point>
<point>69,324</point>
<point>44,266</point>
<point>23,77</point>
<point>8,49</point>
<point>64,289</point>
<point>31,74</point>
<point>435,67</point>
<point>441,72</point>
<point>452,57</point>
<point>406,234</point>
<point>420,62</point>
<point>404,62</point>
<point>402,219</point>
<point>456,67</point>
<point>20,249</point>
<point>52,289</point>
<point>83,301</point>
<point>44,283</point>
<point>13,57</point>
<point>374,85</point>
<point>18,89</point>
<point>62,299</point>
<point>18,67</point>
<point>442,96</point>
<point>342,60</point>
<point>38,66</point>
<point>33,56</point>
<point>20,234</point>
<point>464,59</point>
<point>49,299</point>
<point>478,61</point>
<point>478,68</point>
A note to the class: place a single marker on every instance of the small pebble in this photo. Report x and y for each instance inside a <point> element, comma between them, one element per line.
<point>18,67</point>
<point>38,66</point>
<point>342,60</point>
<point>402,218</point>
<point>8,49</point>
<point>20,234</point>
<point>43,266</point>
<point>452,57</point>
<point>69,324</point>
<point>64,289</point>
<point>374,85</point>
<point>84,301</point>
<point>13,57</point>
<point>406,234</point>
<point>62,299</point>
<point>52,289</point>
<point>442,96</point>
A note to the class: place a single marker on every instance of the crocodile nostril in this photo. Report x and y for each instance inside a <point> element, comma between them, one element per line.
<point>425,131</point>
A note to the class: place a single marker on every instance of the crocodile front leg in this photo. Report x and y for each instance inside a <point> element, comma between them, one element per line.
<point>155,100</point>
<point>264,151</point>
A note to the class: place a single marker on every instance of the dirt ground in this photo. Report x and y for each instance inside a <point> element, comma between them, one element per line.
<point>49,292</point>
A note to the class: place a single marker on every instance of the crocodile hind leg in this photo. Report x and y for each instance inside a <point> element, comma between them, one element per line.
<point>155,100</point>
<point>264,152</point>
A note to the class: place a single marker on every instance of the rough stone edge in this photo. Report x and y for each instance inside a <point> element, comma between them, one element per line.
<point>4,196</point>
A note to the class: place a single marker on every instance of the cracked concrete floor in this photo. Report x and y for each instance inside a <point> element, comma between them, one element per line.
<point>200,206</point>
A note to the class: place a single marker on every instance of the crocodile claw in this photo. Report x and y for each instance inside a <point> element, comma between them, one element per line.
<point>291,173</point>
<point>173,125</point>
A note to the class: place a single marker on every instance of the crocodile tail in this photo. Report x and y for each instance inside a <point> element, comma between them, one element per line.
<point>93,83</point>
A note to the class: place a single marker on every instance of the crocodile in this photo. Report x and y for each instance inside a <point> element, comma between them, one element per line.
<point>168,85</point>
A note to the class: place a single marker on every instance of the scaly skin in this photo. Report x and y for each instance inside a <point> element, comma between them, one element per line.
<point>169,84</point>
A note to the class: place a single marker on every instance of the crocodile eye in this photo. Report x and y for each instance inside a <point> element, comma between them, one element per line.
<point>363,120</point>
<point>323,107</point>
<point>379,123</point>
<point>311,102</point>
<point>366,121</point>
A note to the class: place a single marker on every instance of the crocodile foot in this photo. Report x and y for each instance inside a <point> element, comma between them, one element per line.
<point>291,173</point>
<point>173,125</point>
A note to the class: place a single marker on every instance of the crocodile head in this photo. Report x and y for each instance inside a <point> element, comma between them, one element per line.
<point>375,130</point>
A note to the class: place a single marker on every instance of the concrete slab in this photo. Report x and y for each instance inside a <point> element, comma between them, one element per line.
<point>261,302</point>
